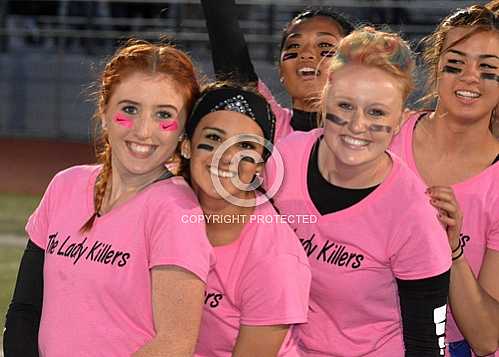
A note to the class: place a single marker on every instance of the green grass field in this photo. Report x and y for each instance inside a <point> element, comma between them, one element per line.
<point>9,263</point>
<point>14,212</point>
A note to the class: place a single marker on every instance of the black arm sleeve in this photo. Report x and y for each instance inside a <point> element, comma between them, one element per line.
<point>419,300</point>
<point>229,51</point>
<point>23,317</point>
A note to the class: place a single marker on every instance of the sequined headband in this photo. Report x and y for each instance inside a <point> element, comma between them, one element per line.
<point>234,100</point>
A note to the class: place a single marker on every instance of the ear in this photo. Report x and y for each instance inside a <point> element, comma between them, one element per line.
<point>185,149</point>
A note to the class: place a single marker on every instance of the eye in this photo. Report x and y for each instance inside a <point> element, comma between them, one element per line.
<point>345,106</point>
<point>326,45</point>
<point>487,66</point>
<point>292,46</point>
<point>376,112</point>
<point>213,137</point>
<point>455,61</point>
<point>164,115</point>
<point>130,109</point>
<point>246,145</point>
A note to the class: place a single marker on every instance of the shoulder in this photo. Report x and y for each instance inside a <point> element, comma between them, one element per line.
<point>272,236</point>
<point>77,172</point>
<point>297,141</point>
<point>404,184</point>
<point>75,177</point>
<point>172,192</point>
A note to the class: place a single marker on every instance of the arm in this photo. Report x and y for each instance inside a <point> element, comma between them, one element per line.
<point>177,297</point>
<point>229,50</point>
<point>423,310</point>
<point>474,303</point>
<point>262,341</point>
<point>24,313</point>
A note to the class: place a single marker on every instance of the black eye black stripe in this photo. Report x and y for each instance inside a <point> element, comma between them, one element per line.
<point>205,147</point>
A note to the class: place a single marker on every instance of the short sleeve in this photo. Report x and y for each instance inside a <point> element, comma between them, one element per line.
<point>420,248</point>
<point>38,223</point>
<point>177,236</point>
<point>493,236</point>
<point>276,291</point>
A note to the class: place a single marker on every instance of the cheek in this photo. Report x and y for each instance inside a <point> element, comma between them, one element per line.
<point>444,83</point>
<point>286,56</point>
<point>169,125</point>
<point>123,120</point>
<point>287,69</point>
<point>246,171</point>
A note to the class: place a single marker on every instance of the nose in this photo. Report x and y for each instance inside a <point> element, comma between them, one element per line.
<point>307,52</point>
<point>228,155</point>
<point>358,122</point>
<point>143,127</point>
<point>471,73</point>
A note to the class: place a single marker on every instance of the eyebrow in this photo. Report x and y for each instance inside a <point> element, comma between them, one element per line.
<point>484,56</point>
<point>299,34</point>
<point>489,56</point>
<point>251,137</point>
<point>215,129</point>
<point>138,104</point>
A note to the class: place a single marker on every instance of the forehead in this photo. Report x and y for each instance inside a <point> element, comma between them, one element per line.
<point>365,85</point>
<point>315,25</point>
<point>483,42</point>
<point>145,87</point>
<point>232,123</point>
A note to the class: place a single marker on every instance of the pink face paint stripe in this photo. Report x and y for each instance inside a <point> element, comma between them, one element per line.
<point>170,125</point>
<point>123,120</point>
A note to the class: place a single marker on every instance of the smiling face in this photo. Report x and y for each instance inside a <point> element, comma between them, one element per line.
<point>364,107</point>
<point>305,58</point>
<point>468,85</point>
<point>143,120</point>
<point>235,163</point>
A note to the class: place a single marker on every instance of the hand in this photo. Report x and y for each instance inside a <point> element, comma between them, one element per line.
<point>449,212</point>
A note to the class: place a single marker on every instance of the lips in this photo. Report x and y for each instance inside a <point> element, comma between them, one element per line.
<point>355,143</point>
<point>467,96</point>
<point>222,173</point>
<point>308,72</point>
<point>140,151</point>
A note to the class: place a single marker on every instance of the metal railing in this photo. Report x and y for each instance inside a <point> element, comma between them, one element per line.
<point>45,59</point>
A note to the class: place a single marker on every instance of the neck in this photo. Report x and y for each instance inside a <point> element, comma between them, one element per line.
<point>124,183</point>
<point>352,176</point>
<point>304,104</point>
<point>224,221</point>
<point>458,135</point>
<point>219,207</point>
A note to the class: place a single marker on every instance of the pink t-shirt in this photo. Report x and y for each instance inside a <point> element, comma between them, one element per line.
<point>97,286</point>
<point>356,254</point>
<point>478,198</point>
<point>283,115</point>
<point>263,278</point>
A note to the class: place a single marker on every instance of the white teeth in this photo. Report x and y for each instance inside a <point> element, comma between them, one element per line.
<point>467,94</point>
<point>141,149</point>
<point>356,142</point>
<point>308,71</point>
<point>221,173</point>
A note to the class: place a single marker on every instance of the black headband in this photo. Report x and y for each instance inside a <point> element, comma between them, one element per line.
<point>235,100</point>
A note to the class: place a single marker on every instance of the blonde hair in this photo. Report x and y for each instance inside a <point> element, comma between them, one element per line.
<point>384,50</point>
<point>132,57</point>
